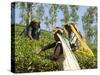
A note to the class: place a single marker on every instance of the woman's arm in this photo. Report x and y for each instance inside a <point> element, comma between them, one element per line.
<point>47,47</point>
<point>29,35</point>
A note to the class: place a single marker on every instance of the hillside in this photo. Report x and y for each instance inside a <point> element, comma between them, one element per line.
<point>26,58</point>
<point>28,61</point>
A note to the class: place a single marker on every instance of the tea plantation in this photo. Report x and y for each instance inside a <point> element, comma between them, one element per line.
<point>27,60</point>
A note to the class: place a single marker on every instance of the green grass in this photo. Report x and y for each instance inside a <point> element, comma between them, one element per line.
<point>27,60</point>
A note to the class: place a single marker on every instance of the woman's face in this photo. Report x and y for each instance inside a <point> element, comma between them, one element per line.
<point>60,31</point>
<point>36,25</point>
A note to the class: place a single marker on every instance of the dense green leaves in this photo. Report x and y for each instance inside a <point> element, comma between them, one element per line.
<point>85,61</point>
<point>25,53</point>
<point>27,60</point>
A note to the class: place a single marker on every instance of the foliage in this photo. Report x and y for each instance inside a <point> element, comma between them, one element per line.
<point>27,60</point>
<point>74,16</point>
<point>25,53</point>
<point>65,12</point>
<point>89,21</point>
<point>48,13</point>
<point>47,22</point>
<point>25,12</point>
<point>85,61</point>
<point>39,12</point>
<point>53,14</point>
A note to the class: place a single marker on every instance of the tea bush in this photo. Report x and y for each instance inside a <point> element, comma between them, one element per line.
<point>27,60</point>
<point>86,61</point>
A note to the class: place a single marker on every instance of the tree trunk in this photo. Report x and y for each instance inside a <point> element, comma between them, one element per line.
<point>29,13</point>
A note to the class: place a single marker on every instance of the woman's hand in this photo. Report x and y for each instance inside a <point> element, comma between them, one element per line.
<point>38,51</point>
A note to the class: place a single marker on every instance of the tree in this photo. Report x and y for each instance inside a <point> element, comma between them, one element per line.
<point>25,12</point>
<point>39,12</point>
<point>53,14</point>
<point>69,15</point>
<point>65,11</point>
<point>89,24</point>
<point>47,22</point>
<point>22,14</point>
<point>74,16</point>
<point>29,12</point>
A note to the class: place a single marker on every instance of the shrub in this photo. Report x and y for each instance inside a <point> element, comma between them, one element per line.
<point>25,53</point>
<point>85,61</point>
<point>26,59</point>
